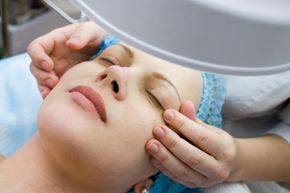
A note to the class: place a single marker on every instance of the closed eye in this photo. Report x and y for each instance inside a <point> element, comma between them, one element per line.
<point>110,60</point>
<point>153,99</point>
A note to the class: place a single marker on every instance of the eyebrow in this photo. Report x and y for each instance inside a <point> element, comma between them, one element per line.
<point>162,77</point>
<point>127,50</point>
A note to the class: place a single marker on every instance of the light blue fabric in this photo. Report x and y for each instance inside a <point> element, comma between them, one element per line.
<point>19,103</point>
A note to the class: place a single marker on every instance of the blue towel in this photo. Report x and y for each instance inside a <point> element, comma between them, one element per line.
<point>19,103</point>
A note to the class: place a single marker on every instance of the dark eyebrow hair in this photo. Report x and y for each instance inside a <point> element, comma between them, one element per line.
<point>127,50</point>
<point>162,77</point>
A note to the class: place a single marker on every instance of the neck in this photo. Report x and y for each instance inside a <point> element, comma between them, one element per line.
<point>30,170</point>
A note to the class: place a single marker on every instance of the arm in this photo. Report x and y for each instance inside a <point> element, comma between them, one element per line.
<point>273,147</point>
<point>283,128</point>
<point>262,158</point>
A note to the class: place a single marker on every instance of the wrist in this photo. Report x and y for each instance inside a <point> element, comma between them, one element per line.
<point>236,174</point>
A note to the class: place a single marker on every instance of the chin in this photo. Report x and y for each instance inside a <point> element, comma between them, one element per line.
<point>59,127</point>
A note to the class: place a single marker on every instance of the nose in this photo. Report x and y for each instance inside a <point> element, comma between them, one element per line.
<point>114,78</point>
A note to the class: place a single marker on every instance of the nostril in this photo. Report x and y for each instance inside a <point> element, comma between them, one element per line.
<point>115,86</point>
<point>103,76</point>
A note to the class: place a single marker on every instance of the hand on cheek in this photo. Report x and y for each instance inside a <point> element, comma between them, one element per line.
<point>200,156</point>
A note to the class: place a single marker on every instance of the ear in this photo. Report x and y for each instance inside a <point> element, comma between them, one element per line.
<point>145,184</point>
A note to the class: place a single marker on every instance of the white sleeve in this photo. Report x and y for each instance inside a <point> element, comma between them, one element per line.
<point>283,128</point>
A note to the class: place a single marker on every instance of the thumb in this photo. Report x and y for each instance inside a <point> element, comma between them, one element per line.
<point>187,108</point>
<point>87,33</point>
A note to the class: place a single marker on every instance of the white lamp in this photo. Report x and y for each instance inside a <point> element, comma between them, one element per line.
<point>242,37</point>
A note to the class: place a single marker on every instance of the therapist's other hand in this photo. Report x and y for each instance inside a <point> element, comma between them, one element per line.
<point>54,53</point>
<point>200,155</point>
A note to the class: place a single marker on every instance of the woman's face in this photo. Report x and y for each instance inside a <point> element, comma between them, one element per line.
<point>102,112</point>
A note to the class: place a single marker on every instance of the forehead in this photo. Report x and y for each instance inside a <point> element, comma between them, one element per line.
<point>187,81</point>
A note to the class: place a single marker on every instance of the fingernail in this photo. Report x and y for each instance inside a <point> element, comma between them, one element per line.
<point>168,115</point>
<point>153,148</point>
<point>43,65</point>
<point>159,132</point>
<point>49,82</point>
<point>42,93</point>
<point>75,40</point>
<point>144,190</point>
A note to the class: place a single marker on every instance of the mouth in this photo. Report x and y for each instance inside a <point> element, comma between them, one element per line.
<point>90,100</point>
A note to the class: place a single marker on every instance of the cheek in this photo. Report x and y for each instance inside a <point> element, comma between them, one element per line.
<point>63,127</point>
<point>83,71</point>
<point>129,138</point>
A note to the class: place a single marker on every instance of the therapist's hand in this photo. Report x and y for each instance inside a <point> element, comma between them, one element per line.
<point>200,155</point>
<point>59,50</point>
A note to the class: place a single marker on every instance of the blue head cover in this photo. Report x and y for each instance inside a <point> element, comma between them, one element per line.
<point>209,111</point>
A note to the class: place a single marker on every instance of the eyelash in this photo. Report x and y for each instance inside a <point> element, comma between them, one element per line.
<point>107,60</point>
<point>154,99</point>
<point>110,60</point>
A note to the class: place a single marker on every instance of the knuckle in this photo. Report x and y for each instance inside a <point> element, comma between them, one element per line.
<point>163,158</point>
<point>37,75</point>
<point>172,142</point>
<point>34,71</point>
<point>229,154</point>
<point>183,173</point>
<point>190,185</point>
<point>203,140</point>
<point>221,174</point>
<point>194,160</point>
<point>183,124</point>
<point>179,122</point>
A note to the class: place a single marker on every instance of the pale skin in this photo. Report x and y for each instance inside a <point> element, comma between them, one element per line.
<point>216,156</point>
<point>76,150</point>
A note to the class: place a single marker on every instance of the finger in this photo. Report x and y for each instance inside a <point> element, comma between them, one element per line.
<point>44,78</point>
<point>44,91</point>
<point>39,54</point>
<point>172,164</point>
<point>87,34</point>
<point>198,134</point>
<point>189,154</point>
<point>177,179</point>
<point>40,48</point>
<point>187,109</point>
<point>140,186</point>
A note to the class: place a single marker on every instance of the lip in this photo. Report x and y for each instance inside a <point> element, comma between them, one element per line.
<point>92,96</point>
